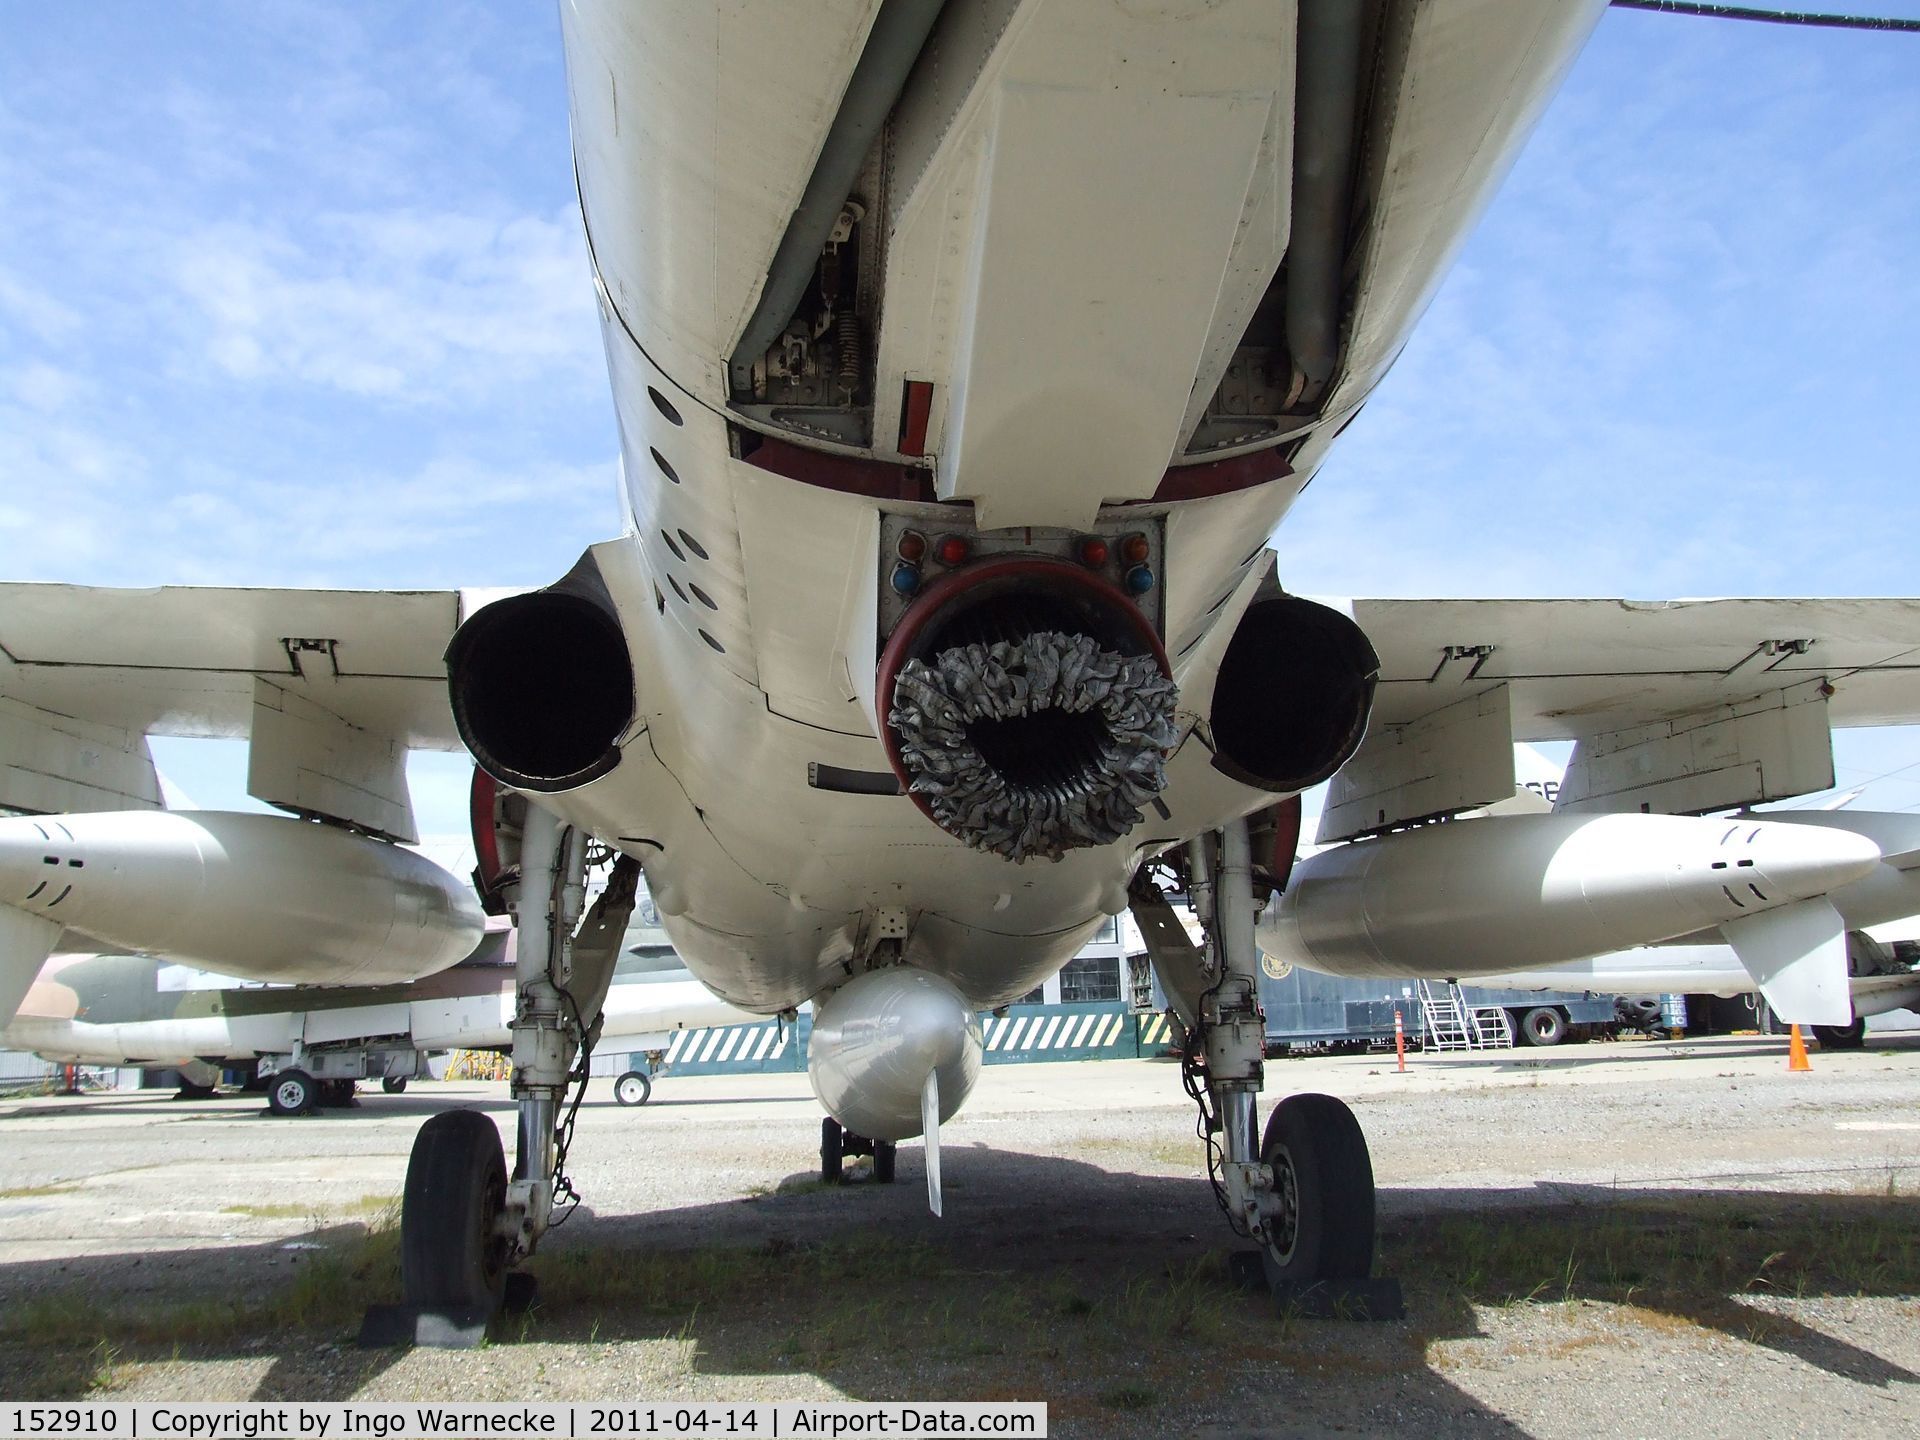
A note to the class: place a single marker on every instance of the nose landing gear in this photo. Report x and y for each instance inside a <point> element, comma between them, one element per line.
<point>837,1143</point>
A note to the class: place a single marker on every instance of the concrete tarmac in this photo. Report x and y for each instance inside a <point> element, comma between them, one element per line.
<point>1082,1178</point>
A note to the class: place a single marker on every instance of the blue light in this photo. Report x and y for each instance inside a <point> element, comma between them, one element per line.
<point>906,579</point>
<point>1139,580</point>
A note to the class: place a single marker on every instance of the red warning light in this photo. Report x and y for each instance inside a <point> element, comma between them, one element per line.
<point>1093,552</point>
<point>952,550</point>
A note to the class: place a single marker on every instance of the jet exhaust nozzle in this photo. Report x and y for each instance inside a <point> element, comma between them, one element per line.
<point>876,1040</point>
<point>1029,707</point>
<point>1293,695</point>
<point>542,684</point>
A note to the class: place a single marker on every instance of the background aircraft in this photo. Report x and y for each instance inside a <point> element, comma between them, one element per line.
<point>1882,977</point>
<point>315,1041</point>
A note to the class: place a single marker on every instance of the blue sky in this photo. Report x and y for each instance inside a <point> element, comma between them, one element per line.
<point>296,295</point>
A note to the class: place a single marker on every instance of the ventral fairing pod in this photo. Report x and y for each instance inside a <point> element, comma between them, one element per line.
<point>261,897</point>
<point>876,1040</point>
<point>1483,896</point>
<point>894,1053</point>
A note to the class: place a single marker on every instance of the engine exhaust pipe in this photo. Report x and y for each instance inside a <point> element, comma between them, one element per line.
<point>542,684</point>
<point>1029,707</point>
<point>1295,688</point>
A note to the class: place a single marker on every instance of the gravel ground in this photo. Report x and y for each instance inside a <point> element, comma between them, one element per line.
<point>1639,1237</point>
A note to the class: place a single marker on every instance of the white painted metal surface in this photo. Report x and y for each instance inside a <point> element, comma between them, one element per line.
<point>1582,667</point>
<point>52,763</point>
<point>766,882</point>
<point>881,1040</point>
<point>1451,759</point>
<point>1067,237</point>
<point>1797,955</point>
<point>182,661</point>
<point>1769,748</point>
<point>1475,897</point>
<point>256,896</point>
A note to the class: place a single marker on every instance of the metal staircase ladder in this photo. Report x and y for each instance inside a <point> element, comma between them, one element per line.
<point>1490,1027</point>
<point>1443,1018</point>
<point>1451,1024</point>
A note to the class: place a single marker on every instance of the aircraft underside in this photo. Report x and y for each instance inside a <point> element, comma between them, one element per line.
<point>964,357</point>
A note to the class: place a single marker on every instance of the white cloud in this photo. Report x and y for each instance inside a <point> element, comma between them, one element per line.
<point>40,313</point>
<point>44,388</point>
<point>408,307</point>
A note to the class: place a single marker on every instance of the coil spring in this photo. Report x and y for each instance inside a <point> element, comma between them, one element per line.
<point>849,338</point>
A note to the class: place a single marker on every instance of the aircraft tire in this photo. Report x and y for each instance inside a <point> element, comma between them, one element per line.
<point>1842,1037</point>
<point>1543,1025</point>
<point>633,1088</point>
<point>394,1084</point>
<point>450,1256</point>
<point>1325,1227</point>
<point>292,1092</point>
<point>831,1153</point>
<point>883,1157</point>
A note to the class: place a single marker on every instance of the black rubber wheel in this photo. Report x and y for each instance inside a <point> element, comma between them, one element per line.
<point>830,1152</point>
<point>456,1188</point>
<point>1842,1037</point>
<point>883,1156</point>
<point>292,1092</point>
<point>1324,1226</point>
<point>394,1084</point>
<point>1543,1025</point>
<point>1638,1012</point>
<point>337,1094</point>
<point>633,1088</point>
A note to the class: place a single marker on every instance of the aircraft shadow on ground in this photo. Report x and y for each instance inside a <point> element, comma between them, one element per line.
<point>1100,1290</point>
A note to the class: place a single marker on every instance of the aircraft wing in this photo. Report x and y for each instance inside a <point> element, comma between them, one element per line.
<point>331,686</point>
<point>1676,706</point>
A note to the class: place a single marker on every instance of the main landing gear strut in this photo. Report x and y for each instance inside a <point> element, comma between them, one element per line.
<point>1302,1191</point>
<point>464,1221</point>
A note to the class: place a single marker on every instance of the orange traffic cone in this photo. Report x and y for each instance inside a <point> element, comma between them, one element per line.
<point>1796,1051</point>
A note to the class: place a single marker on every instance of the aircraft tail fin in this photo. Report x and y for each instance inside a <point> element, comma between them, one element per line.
<point>25,942</point>
<point>1797,955</point>
<point>930,1126</point>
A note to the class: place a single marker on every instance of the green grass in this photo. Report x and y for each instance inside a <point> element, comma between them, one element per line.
<point>1130,1397</point>
<point>366,1205</point>
<point>330,1287</point>
<point>1644,1249</point>
<point>1133,1329</point>
<point>27,1192</point>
